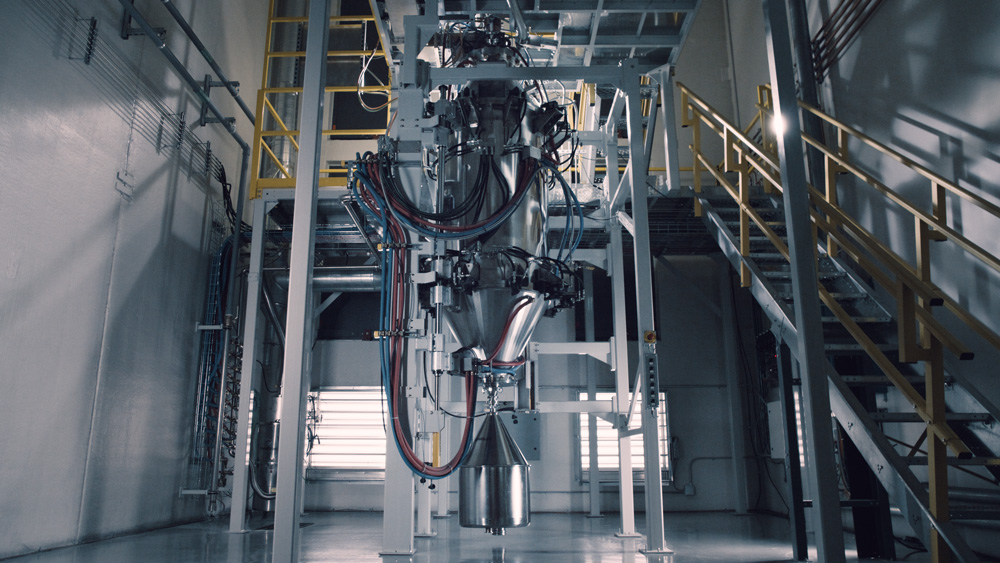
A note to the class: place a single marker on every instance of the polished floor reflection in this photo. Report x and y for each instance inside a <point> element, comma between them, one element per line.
<point>551,538</point>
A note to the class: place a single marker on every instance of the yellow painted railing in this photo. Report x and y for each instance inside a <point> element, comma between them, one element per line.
<point>271,169</point>
<point>922,337</point>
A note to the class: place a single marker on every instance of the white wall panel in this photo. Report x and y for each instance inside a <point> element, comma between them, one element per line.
<point>99,293</point>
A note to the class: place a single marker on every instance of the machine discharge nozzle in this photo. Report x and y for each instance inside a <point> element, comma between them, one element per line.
<point>493,482</point>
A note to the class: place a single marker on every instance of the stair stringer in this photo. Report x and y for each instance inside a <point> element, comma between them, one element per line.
<point>762,290</point>
<point>907,492</point>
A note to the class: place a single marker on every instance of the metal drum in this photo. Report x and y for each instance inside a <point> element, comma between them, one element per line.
<point>493,482</point>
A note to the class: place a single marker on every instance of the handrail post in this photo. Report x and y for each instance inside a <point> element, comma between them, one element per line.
<point>696,145</point>
<point>940,209</point>
<point>734,163</point>
<point>937,450</point>
<point>831,170</point>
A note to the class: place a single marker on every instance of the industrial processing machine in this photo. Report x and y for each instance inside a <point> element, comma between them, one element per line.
<point>461,192</point>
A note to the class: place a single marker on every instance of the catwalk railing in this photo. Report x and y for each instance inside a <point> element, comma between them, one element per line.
<point>275,143</point>
<point>751,159</point>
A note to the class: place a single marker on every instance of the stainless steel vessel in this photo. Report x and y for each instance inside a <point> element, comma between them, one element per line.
<point>493,482</point>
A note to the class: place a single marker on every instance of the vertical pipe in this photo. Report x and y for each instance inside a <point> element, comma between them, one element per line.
<point>793,467</point>
<point>237,522</point>
<point>737,445</point>
<point>299,323</point>
<point>809,332</point>
<point>227,324</point>
<point>424,529</point>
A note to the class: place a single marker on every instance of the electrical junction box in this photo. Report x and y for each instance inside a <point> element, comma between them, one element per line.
<point>776,430</point>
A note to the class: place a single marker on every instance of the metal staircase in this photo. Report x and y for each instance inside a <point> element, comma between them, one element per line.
<point>879,334</point>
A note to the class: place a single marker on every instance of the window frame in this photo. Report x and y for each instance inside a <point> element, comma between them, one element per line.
<point>607,435</point>
<point>366,409</point>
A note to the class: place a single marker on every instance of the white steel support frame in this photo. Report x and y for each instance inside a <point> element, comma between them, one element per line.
<point>594,469</point>
<point>619,346</point>
<point>647,373</point>
<point>251,340</point>
<point>398,518</point>
<point>300,318</point>
<point>809,331</point>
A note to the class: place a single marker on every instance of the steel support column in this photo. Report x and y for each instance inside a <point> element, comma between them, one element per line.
<point>793,466</point>
<point>594,470</point>
<point>619,363</point>
<point>300,318</point>
<point>251,339</point>
<point>399,500</point>
<point>730,336</point>
<point>669,119</point>
<point>813,364</point>
<point>648,369</point>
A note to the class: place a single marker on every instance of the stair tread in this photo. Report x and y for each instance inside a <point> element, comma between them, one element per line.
<point>914,417</point>
<point>974,513</point>
<point>846,296</point>
<point>975,461</point>
<point>883,380</point>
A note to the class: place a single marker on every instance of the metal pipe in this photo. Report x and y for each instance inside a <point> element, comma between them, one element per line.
<point>273,314</point>
<point>179,66</point>
<point>348,203</point>
<point>522,28</point>
<point>363,279</point>
<point>973,495</point>
<point>208,58</point>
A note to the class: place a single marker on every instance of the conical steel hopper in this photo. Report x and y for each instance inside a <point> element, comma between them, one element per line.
<point>478,320</point>
<point>493,482</point>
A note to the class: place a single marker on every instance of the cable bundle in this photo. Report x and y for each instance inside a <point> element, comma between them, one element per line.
<point>374,185</point>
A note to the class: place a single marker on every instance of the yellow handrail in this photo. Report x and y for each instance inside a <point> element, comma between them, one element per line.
<point>920,332</point>
<point>263,154</point>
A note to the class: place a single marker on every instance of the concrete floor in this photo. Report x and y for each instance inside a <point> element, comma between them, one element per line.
<point>551,538</point>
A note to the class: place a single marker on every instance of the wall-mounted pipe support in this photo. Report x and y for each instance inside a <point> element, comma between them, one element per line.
<point>229,84</point>
<point>154,36</point>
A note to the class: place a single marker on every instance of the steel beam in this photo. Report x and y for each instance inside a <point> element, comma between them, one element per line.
<point>251,339</point>
<point>737,445</point>
<point>812,362</point>
<point>669,119</point>
<point>648,369</point>
<point>619,364</point>
<point>594,469</point>
<point>299,316</point>
<point>793,467</point>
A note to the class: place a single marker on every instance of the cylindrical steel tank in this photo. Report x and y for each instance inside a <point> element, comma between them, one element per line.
<point>493,482</point>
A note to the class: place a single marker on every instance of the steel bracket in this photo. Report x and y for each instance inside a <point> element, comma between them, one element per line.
<point>128,31</point>
<point>203,117</point>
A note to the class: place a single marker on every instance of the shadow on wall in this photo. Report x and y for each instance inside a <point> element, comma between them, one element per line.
<point>922,77</point>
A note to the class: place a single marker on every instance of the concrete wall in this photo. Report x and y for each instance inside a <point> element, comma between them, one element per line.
<point>102,283</point>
